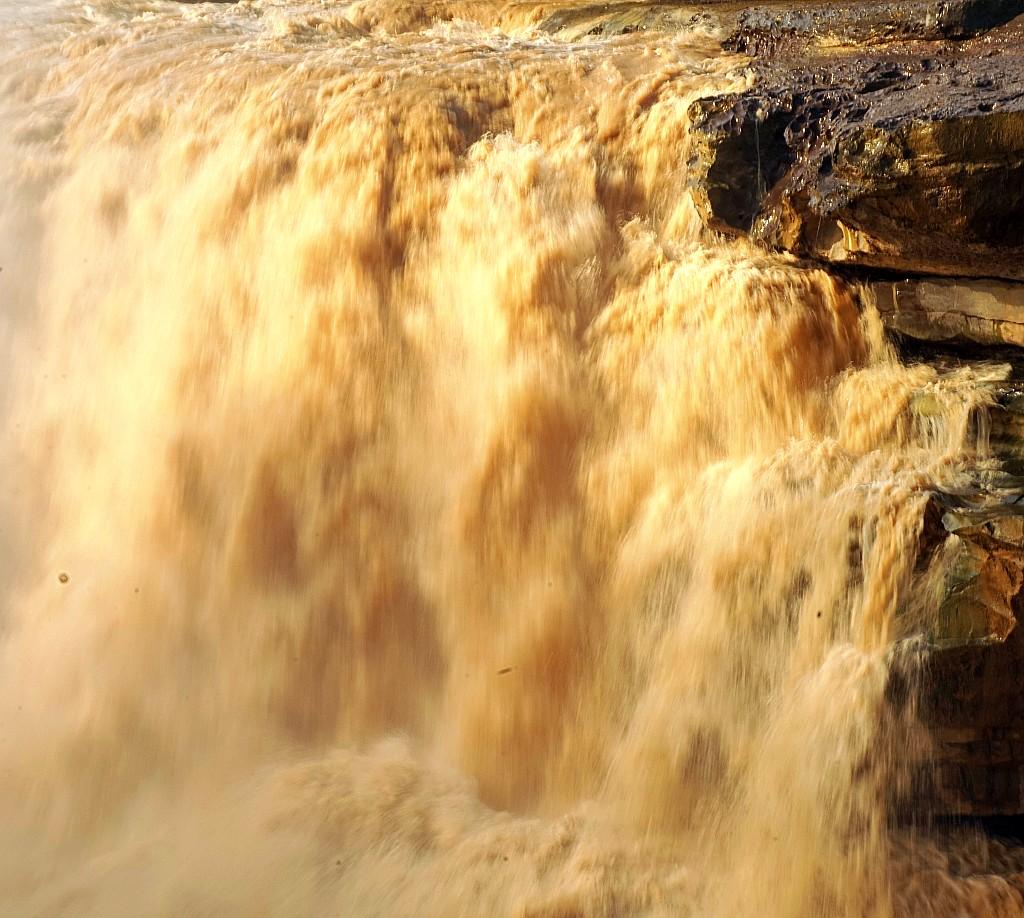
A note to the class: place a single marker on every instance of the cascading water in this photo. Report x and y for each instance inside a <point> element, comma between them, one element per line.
<point>411,510</point>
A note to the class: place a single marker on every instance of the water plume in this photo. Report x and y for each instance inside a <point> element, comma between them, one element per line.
<point>428,516</point>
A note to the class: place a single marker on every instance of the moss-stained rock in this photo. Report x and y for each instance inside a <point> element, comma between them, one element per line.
<point>970,595</point>
<point>984,579</point>
<point>971,698</point>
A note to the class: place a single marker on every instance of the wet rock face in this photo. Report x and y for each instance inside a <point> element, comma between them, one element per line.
<point>970,692</point>
<point>945,310</point>
<point>972,700</point>
<point>898,163</point>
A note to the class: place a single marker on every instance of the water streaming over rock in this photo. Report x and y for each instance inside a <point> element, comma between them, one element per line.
<point>411,510</point>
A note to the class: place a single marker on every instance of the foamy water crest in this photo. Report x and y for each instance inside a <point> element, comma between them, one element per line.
<point>411,510</point>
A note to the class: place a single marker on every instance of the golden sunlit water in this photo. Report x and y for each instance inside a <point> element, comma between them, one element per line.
<point>411,510</point>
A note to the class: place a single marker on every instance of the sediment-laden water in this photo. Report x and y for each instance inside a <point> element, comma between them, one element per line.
<point>409,509</point>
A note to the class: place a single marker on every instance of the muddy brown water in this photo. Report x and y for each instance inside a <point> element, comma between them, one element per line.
<point>409,509</point>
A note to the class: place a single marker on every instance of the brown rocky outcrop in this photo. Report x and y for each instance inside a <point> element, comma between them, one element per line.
<point>972,683</point>
<point>945,309</point>
<point>909,164</point>
<point>882,137</point>
<point>894,151</point>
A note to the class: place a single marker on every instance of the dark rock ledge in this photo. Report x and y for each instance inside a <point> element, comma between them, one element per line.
<point>899,163</point>
<point>900,158</point>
